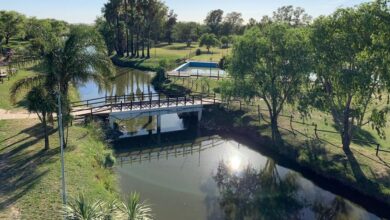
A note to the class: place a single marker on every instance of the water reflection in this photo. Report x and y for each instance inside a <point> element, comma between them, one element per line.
<point>126,81</point>
<point>214,178</point>
<point>264,194</point>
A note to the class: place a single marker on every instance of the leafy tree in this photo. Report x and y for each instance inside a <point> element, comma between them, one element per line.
<point>352,67</point>
<point>11,24</point>
<point>169,25</point>
<point>185,32</point>
<point>271,64</point>
<point>292,16</point>
<point>225,41</point>
<point>41,102</point>
<point>232,24</point>
<point>213,21</point>
<point>208,40</point>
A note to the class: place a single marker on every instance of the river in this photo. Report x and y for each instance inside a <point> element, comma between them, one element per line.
<point>185,173</point>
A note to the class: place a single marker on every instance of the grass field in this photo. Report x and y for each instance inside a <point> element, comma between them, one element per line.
<point>174,52</point>
<point>322,152</point>
<point>30,178</point>
<point>5,102</point>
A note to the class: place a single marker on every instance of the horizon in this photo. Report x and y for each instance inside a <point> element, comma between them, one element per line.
<point>74,11</point>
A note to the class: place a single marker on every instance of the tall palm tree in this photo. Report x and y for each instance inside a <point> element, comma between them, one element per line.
<point>134,209</point>
<point>76,59</point>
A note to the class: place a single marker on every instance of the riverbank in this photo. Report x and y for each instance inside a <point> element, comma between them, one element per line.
<point>170,56</point>
<point>30,177</point>
<point>314,158</point>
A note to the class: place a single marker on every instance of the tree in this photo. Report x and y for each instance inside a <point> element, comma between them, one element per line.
<point>225,41</point>
<point>76,59</point>
<point>352,67</point>
<point>208,40</point>
<point>213,21</point>
<point>271,64</point>
<point>169,25</point>
<point>232,24</point>
<point>11,24</point>
<point>41,102</point>
<point>185,32</point>
<point>292,16</point>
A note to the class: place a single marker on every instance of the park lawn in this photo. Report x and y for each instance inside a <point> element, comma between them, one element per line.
<point>173,53</point>
<point>5,102</point>
<point>30,178</point>
<point>365,170</point>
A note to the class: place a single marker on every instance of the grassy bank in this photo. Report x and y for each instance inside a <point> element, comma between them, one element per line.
<point>319,151</point>
<point>30,178</point>
<point>173,55</point>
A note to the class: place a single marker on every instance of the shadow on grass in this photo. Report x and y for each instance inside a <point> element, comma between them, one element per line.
<point>18,168</point>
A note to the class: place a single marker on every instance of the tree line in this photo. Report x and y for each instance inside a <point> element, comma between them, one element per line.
<point>338,64</point>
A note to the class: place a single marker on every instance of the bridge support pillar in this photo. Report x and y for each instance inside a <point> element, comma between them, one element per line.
<point>158,124</point>
<point>199,115</point>
<point>112,121</point>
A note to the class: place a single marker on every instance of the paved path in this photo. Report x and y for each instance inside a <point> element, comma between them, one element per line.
<point>16,114</point>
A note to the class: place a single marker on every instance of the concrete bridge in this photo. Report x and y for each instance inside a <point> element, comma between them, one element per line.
<point>132,106</point>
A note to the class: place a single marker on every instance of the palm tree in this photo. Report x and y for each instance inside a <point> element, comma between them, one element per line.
<point>134,209</point>
<point>76,59</point>
<point>43,104</point>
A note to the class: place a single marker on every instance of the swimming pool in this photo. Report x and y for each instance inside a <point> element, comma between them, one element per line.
<point>198,68</point>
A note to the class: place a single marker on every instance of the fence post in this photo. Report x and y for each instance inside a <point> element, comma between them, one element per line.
<point>185,100</point>
<point>115,99</point>
<point>214,97</point>
<point>259,113</point>
<point>159,103</point>
<point>291,119</point>
<point>177,100</point>
<point>121,105</point>
<point>168,101</point>
<point>377,149</point>
<point>150,102</point>
<point>315,130</point>
<point>193,100</point>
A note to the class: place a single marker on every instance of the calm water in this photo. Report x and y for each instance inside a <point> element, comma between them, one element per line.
<point>187,175</point>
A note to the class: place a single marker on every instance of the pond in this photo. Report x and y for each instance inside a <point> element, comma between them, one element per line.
<point>185,173</point>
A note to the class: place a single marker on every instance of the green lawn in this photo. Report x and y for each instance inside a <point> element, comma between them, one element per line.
<point>174,52</point>
<point>5,102</point>
<point>30,178</point>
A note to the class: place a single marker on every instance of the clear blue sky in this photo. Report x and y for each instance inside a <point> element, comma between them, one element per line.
<point>85,11</point>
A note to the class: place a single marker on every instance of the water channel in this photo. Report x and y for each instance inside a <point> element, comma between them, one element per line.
<point>193,174</point>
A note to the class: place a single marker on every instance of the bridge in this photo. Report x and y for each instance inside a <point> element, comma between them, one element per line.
<point>138,105</point>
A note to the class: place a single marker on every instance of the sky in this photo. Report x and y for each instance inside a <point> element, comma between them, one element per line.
<point>86,11</point>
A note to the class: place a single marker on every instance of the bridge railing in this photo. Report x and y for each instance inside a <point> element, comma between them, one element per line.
<point>124,103</point>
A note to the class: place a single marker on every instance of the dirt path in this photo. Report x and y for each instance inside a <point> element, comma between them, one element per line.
<point>16,114</point>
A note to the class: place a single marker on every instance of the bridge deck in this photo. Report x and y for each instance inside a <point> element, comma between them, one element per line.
<point>109,105</point>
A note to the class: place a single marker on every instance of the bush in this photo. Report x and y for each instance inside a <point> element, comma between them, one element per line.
<point>109,160</point>
<point>222,63</point>
<point>198,52</point>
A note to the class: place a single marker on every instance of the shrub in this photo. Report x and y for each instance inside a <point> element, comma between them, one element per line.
<point>198,52</point>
